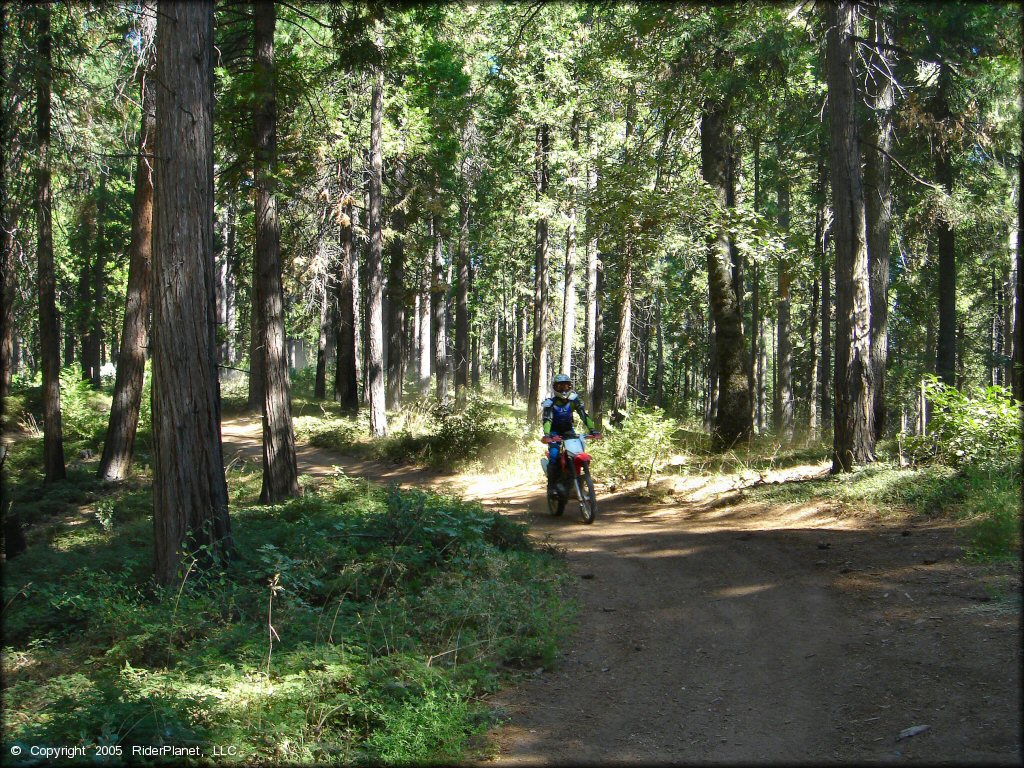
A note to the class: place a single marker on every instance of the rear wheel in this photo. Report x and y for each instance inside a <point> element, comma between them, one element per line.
<point>588,500</point>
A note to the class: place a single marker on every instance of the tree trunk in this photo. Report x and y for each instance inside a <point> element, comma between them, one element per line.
<point>854,440</point>
<point>375,275</point>
<point>14,542</point>
<point>494,367</point>
<point>7,262</point>
<point>398,297</point>
<point>97,278</point>
<point>597,394</point>
<point>755,304</point>
<point>320,380</point>
<point>280,471</point>
<point>256,375</point>
<point>119,445</point>
<point>462,350</point>
<point>226,283</point>
<point>812,396</point>
<point>733,418</point>
<point>1018,314</point>
<point>590,357</point>
<point>346,383</point>
<point>540,279</point>
<point>878,209</point>
<point>1009,277</point>
<point>945,361</point>
<point>659,370</point>
<point>819,356</point>
<point>426,353</point>
<point>569,295</point>
<point>624,336</point>
<point>438,293</point>
<point>784,360</point>
<point>711,389</point>
<point>49,330</point>
<point>190,500</point>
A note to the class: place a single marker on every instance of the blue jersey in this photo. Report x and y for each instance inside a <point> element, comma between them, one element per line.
<point>558,414</point>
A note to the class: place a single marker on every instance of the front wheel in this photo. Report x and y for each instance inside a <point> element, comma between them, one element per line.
<point>588,499</point>
<point>556,505</point>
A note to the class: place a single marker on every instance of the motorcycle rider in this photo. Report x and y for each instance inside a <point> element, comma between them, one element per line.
<point>558,418</point>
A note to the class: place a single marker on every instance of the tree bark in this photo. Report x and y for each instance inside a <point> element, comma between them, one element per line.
<point>569,294</point>
<point>375,275</point>
<point>426,353</point>
<point>190,500</point>
<point>623,338</point>
<point>7,263</point>
<point>624,335</point>
<point>854,440</point>
<point>878,209</point>
<point>540,278</point>
<point>346,383</point>
<point>755,306</point>
<point>784,360</point>
<point>597,393</point>
<point>14,542</point>
<point>590,356</point>
<point>817,366</point>
<point>280,470</point>
<point>945,361</point>
<point>1018,314</point>
<point>398,296</point>
<point>462,350</point>
<point>97,279</point>
<point>438,293</point>
<point>733,418</point>
<point>320,380</point>
<point>659,370</point>
<point>256,376</point>
<point>49,330</point>
<point>119,445</point>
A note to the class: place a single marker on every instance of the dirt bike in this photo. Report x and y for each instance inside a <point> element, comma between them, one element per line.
<point>573,476</point>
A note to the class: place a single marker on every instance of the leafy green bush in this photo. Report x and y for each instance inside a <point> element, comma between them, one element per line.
<point>423,431</point>
<point>981,427</point>
<point>635,449</point>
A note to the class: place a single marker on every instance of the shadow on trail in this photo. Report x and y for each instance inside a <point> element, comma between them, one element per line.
<point>728,635</point>
<point>738,633</point>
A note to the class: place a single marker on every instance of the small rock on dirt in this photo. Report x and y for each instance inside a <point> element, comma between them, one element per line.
<point>914,730</point>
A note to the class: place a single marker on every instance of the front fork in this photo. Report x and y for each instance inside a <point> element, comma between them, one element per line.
<point>576,481</point>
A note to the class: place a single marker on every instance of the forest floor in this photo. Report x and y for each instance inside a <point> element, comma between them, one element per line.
<point>713,628</point>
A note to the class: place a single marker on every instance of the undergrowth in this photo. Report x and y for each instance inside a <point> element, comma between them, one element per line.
<point>427,433</point>
<point>355,625</point>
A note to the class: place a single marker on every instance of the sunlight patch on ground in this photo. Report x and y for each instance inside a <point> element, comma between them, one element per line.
<point>742,591</point>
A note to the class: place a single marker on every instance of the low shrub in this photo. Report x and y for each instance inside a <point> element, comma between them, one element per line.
<point>637,448</point>
<point>979,427</point>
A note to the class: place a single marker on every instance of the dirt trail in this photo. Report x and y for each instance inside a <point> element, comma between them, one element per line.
<point>737,634</point>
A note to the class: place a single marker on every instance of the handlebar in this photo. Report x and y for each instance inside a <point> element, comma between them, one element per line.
<point>546,439</point>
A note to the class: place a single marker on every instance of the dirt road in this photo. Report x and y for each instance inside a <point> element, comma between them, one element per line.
<point>737,633</point>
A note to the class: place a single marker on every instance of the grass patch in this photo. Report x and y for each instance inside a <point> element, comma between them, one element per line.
<point>987,498</point>
<point>392,614</point>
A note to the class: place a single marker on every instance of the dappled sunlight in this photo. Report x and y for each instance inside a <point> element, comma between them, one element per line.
<point>742,591</point>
